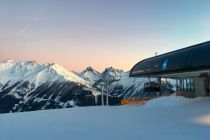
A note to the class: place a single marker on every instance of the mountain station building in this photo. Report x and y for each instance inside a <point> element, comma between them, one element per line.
<point>190,67</point>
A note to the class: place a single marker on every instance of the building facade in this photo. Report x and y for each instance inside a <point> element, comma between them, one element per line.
<point>190,67</point>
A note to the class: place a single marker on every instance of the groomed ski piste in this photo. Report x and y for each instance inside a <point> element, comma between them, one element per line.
<point>164,118</point>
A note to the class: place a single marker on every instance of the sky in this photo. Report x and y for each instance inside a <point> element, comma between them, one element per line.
<point>99,33</point>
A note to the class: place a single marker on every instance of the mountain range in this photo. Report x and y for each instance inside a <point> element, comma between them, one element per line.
<point>29,86</point>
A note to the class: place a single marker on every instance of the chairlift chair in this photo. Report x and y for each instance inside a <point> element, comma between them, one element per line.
<point>152,87</point>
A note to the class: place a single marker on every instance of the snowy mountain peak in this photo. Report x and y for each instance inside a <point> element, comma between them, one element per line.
<point>58,68</point>
<point>89,69</point>
<point>66,74</point>
<point>90,75</point>
<point>17,65</point>
<point>112,72</point>
<point>112,69</point>
<point>31,71</point>
<point>8,61</point>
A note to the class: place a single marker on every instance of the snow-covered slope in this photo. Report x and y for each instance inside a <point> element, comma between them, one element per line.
<point>96,79</point>
<point>27,86</point>
<point>189,120</point>
<point>131,87</point>
<point>121,85</point>
<point>115,73</point>
<point>31,71</point>
<point>90,75</point>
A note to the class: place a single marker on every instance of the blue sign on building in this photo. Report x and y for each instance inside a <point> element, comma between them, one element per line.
<point>165,65</point>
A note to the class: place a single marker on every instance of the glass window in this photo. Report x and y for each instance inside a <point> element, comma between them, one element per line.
<point>177,85</point>
<point>192,84</point>
<point>185,85</point>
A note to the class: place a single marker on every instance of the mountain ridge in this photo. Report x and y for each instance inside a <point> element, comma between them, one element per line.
<point>33,71</point>
<point>29,86</point>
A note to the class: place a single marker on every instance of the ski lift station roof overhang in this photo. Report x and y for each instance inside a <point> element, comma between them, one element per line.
<point>191,61</point>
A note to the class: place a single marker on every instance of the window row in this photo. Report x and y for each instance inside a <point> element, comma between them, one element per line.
<point>185,84</point>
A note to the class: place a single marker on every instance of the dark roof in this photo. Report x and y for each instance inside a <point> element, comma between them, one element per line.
<point>193,58</point>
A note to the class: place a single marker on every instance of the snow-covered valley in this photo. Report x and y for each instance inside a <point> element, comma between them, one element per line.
<point>160,119</point>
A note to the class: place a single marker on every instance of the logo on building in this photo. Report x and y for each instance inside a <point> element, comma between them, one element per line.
<point>165,64</point>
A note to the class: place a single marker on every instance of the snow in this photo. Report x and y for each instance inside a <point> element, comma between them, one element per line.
<point>115,73</point>
<point>96,93</point>
<point>168,101</point>
<point>205,120</point>
<point>90,75</point>
<point>13,71</point>
<point>130,81</point>
<point>137,84</point>
<point>188,120</point>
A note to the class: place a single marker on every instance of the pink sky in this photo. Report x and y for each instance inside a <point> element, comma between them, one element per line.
<point>76,55</point>
<point>79,56</point>
<point>100,33</point>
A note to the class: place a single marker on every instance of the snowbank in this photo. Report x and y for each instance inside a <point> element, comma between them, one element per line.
<point>17,71</point>
<point>168,101</point>
<point>176,122</point>
<point>173,100</point>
